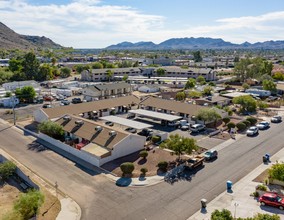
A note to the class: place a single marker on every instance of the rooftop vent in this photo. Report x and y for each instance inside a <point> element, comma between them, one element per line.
<point>98,128</point>
<point>112,133</point>
<point>67,118</point>
<point>79,122</point>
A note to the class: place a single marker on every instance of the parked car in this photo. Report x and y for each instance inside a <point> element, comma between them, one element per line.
<point>76,100</point>
<point>184,125</point>
<point>48,98</point>
<point>211,154</point>
<point>276,119</point>
<point>252,131</point>
<point>131,130</point>
<point>197,127</point>
<point>173,124</point>
<point>109,123</point>
<point>263,125</point>
<point>46,106</point>
<point>131,115</point>
<point>146,132</point>
<point>65,102</point>
<point>272,199</point>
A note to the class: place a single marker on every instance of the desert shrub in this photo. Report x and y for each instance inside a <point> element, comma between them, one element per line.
<point>127,168</point>
<point>241,126</point>
<point>277,171</point>
<point>261,187</point>
<point>163,165</point>
<point>247,123</point>
<point>7,169</point>
<point>221,215</point>
<point>226,120</point>
<point>144,170</point>
<point>252,120</point>
<point>156,139</point>
<point>231,125</point>
<point>143,154</point>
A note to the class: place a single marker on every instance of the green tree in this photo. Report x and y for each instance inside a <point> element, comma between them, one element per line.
<point>180,96</point>
<point>143,170</point>
<point>247,103</point>
<point>194,94</point>
<point>125,77</point>
<point>163,165</point>
<point>262,105</point>
<point>197,56</point>
<point>201,80</point>
<point>15,65</point>
<point>245,86</point>
<point>30,66</point>
<point>65,72</point>
<point>277,171</point>
<point>179,145</point>
<point>241,126</point>
<point>231,125</point>
<point>269,85</point>
<point>8,94</point>
<point>161,72</point>
<point>241,69</point>
<point>191,82</point>
<point>51,129</point>
<point>97,65</point>
<point>5,76</point>
<point>45,73</point>
<point>26,94</point>
<point>79,68</point>
<point>226,120</point>
<point>29,203</point>
<point>143,154</point>
<point>53,61</point>
<point>260,216</point>
<point>278,76</point>
<point>252,120</point>
<point>208,115</point>
<point>109,74</point>
<point>207,90</point>
<point>127,168</point>
<point>7,169</point>
<point>221,215</point>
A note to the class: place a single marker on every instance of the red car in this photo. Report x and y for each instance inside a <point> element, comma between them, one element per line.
<point>272,199</point>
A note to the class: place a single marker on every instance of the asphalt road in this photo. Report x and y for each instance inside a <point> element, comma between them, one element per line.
<point>100,198</point>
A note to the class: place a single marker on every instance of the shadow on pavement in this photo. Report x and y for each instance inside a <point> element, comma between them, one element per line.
<point>123,181</point>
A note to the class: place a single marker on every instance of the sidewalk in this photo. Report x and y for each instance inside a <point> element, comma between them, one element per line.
<point>239,202</point>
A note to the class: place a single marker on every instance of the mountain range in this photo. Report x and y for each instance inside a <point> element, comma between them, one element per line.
<point>195,43</point>
<point>9,39</point>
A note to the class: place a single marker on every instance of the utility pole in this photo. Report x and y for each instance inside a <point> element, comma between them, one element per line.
<point>14,113</point>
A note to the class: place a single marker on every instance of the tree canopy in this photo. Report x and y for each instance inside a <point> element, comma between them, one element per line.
<point>208,115</point>
<point>191,82</point>
<point>7,169</point>
<point>26,94</point>
<point>179,144</point>
<point>197,56</point>
<point>269,85</point>
<point>51,129</point>
<point>161,72</point>
<point>247,103</point>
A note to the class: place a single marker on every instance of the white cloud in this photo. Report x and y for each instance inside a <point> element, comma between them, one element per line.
<point>92,24</point>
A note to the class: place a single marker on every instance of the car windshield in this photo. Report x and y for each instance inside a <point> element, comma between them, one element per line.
<point>208,153</point>
<point>252,129</point>
<point>278,199</point>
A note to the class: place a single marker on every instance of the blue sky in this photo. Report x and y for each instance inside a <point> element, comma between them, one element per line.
<point>99,23</point>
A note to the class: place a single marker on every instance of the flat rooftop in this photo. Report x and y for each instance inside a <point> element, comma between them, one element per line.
<point>126,122</point>
<point>158,115</point>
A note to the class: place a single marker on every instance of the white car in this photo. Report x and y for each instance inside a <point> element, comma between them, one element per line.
<point>197,127</point>
<point>276,119</point>
<point>252,131</point>
<point>263,125</point>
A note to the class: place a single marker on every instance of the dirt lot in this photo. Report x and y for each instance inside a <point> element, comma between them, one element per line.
<point>9,193</point>
<point>154,157</point>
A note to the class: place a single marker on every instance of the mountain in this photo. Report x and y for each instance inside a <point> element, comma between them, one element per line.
<point>196,43</point>
<point>9,39</point>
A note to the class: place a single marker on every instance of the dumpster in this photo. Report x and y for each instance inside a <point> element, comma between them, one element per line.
<point>203,203</point>
<point>229,185</point>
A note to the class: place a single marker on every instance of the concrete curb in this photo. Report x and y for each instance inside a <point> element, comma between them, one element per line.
<point>69,210</point>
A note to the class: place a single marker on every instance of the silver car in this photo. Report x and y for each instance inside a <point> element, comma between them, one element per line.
<point>252,131</point>
<point>263,125</point>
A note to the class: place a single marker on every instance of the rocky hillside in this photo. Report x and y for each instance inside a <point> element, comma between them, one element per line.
<point>9,39</point>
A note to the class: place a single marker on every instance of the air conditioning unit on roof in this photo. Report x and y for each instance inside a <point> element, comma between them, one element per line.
<point>98,128</point>
<point>112,133</point>
<point>67,118</point>
<point>79,122</point>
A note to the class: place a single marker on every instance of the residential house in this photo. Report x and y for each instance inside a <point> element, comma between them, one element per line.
<point>106,90</point>
<point>9,102</point>
<point>20,84</point>
<point>213,101</point>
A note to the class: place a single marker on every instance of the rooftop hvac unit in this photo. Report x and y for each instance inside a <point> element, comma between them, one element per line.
<point>98,128</point>
<point>79,122</point>
<point>67,118</point>
<point>112,133</point>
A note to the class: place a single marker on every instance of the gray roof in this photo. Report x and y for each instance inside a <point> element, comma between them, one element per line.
<point>126,122</point>
<point>117,70</point>
<point>189,70</point>
<point>157,115</point>
<point>110,86</point>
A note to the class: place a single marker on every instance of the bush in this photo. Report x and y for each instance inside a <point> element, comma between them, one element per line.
<point>255,194</point>
<point>231,125</point>
<point>51,129</point>
<point>127,168</point>
<point>143,154</point>
<point>261,187</point>
<point>163,165</point>
<point>277,171</point>
<point>7,169</point>
<point>241,126</point>
<point>226,120</point>
<point>29,203</point>
<point>221,215</point>
<point>247,123</point>
<point>156,139</point>
<point>252,120</point>
<point>144,170</point>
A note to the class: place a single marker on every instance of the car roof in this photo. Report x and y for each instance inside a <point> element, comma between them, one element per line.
<point>253,127</point>
<point>271,195</point>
